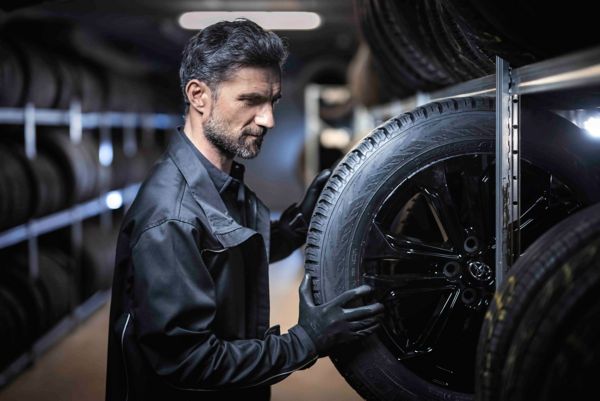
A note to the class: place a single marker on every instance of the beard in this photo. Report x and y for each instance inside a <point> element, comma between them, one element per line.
<point>247,145</point>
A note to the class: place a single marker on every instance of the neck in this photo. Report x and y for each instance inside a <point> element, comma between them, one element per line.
<point>194,131</point>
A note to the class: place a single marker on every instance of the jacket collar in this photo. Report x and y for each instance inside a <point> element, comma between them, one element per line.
<point>224,227</point>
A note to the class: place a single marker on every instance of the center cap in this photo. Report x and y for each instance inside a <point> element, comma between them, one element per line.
<point>480,270</point>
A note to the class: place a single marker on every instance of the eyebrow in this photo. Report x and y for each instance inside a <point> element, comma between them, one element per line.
<point>257,96</point>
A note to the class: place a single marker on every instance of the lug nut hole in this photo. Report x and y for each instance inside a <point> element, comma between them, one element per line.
<point>451,269</point>
<point>471,244</point>
<point>469,296</point>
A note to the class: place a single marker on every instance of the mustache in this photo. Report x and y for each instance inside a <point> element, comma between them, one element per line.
<point>250,132</point>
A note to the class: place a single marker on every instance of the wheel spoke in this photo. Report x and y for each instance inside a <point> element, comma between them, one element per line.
<point>536,211</point>
<point>437,323</point>
<point>424,341</point>
<point>475,195</point>
<point>408,284</point>
<point>383,245</point>
<point>444,210</point>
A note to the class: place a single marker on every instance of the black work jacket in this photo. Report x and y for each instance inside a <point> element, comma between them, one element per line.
<point>174,333</point>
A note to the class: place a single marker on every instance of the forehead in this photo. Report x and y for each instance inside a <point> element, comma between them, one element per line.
<point>266,81</point>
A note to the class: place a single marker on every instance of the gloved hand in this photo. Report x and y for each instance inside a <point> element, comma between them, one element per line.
<point>297,217</point>
<point>330,324</point>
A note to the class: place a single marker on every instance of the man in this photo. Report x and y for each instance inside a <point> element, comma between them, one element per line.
<point>190,305</point>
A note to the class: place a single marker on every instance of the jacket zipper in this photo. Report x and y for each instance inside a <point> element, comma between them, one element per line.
<point>124,360</point>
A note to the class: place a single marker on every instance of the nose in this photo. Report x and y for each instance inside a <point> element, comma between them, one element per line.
<point>264,117</point>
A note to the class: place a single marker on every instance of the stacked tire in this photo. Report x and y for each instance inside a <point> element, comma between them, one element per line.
<point>30,307</point>
<point>429,44</point>
<point>541,336</point>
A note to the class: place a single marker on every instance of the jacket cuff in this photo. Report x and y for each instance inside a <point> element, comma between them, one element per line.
<point>305,339</point>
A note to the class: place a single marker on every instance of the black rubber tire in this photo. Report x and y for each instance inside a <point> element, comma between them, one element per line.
<point>5,187</point>
<point>396,19</point>
<point>57,288</point>
<point>12,81</point>
<point>17,279</point>
<point>392,153</point>
<point>21,340</point>
<point>536,309</point>
<point>41,76</point>
<point>384,63</point>
<point>485,37</point>
<point>512,20</point>
<point>98,257</point>
<point>49,185</point>
<point>76,164</point>
<point>17,182</point>
<point>10,333</point>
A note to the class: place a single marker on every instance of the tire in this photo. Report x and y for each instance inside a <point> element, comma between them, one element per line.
<point>393,168</point>
<point>544,317</point>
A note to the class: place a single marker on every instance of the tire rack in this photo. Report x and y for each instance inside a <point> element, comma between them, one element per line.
<point>29,117</point>
<point>570,71</point>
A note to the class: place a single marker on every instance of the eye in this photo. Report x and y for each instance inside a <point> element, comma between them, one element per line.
<point>251,101</point>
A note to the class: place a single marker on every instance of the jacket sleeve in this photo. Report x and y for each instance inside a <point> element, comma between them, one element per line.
<point>174,308</point>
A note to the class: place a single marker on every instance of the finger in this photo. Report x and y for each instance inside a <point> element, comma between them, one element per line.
<point>313,192</point>
<point>363,312</point>
<point>362,324</point>
<point>369,330</point>
<point>306,291</point>
<point>321,178</point>
<point>352,294</point>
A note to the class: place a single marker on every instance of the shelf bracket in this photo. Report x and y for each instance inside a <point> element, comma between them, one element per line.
<point>508,174</point>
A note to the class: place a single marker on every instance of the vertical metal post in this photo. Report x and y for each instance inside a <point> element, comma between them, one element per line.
<point>33,252</point>
<point>507,171</point>
<point>30,140</point>
<point>75,122</point>
<point>148,140</point>
<point>312,130</point>
<point>106,158</point>
<point>75,135</point>
<point>130,146</point>
<point>31,153</point>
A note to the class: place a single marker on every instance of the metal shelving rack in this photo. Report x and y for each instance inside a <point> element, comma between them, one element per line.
<point>30,117</point>
<point>571,71</point>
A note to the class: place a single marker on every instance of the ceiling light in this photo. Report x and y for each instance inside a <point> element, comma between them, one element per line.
<point>592,126</point>
<point>270,20</point>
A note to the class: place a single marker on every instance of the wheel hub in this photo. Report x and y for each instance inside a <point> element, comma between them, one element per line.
<point>479,270</point>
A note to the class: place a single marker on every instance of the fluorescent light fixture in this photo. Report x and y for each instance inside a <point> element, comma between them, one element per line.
<point>592,126</point>
<point>114,200</point>
<point>271,20</point>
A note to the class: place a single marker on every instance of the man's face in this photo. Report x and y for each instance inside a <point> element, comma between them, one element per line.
<point>243,111</point>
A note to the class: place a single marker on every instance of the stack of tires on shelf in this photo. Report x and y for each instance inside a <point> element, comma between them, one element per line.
<point>430,44</point>
<point>30,307</point>
<point>61,175</point>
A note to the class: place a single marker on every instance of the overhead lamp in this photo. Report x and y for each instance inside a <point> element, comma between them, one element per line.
<point>592,126</point>
<point>270,20</point>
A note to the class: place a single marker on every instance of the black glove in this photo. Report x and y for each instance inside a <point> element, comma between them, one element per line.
<point>296,218</point>
<point>331,324</point>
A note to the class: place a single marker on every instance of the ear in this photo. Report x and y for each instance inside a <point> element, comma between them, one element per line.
<point>199,96</point>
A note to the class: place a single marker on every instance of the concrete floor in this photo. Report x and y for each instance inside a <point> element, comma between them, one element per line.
<point>75,368</point>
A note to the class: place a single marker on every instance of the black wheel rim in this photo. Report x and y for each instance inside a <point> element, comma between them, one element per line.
<point>429,254</point>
